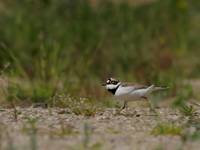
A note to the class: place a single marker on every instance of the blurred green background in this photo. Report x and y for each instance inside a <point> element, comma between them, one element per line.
<point>71,46</point>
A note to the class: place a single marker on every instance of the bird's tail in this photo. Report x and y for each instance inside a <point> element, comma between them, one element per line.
<point>153,88</point>
<point>159,88</point>
<point>150,89</point>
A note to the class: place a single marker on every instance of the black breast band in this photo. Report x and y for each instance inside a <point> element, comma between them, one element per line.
<point>113,90</point>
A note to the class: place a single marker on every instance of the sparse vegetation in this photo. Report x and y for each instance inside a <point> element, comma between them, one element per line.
<point>183,95</point>
<point>87,136</point>
<point>78,106</point>
<point>64,130</point>
<point>166,129</point>
<point>188,110</point>
<point>10,144</point>
<point>113,131</point>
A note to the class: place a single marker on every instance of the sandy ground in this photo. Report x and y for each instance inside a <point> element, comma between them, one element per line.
<point>107,130</point>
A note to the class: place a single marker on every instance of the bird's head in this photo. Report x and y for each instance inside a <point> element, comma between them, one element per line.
<point>111,84</point>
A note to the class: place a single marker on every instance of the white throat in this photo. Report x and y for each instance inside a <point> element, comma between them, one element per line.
<point>112,86</point>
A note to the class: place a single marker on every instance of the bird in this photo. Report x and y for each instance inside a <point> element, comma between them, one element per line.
<point>129,92</point>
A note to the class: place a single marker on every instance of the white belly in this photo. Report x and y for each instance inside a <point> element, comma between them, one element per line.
<point>132,96</point>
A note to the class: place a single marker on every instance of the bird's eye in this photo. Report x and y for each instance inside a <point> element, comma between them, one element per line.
<point>114,82</point>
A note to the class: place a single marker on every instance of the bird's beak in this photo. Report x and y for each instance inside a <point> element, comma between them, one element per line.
<point>103,84</point>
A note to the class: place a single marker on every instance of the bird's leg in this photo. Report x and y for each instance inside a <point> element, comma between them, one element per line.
<point>152,107</point>
<point>124,105</point>
<point>150,103</point>
<point>144,97</point>
<point>121,108</point>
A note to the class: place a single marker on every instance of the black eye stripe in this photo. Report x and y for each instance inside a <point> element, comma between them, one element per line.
<point>111,81</point>
<point>114,82</point>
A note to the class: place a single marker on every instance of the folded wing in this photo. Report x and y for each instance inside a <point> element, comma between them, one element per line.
<point>128,88</point>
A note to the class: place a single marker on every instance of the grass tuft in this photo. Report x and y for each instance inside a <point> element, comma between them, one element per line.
<point>187,110</point>
<point>166,129</point>
<point>78,106</point>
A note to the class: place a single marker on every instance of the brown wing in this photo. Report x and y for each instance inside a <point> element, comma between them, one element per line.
<point>136,86</point>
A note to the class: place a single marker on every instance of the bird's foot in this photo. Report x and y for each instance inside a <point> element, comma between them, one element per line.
<point>124,106</point>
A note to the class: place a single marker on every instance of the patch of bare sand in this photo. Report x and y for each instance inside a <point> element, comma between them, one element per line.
<point>107,130</point>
